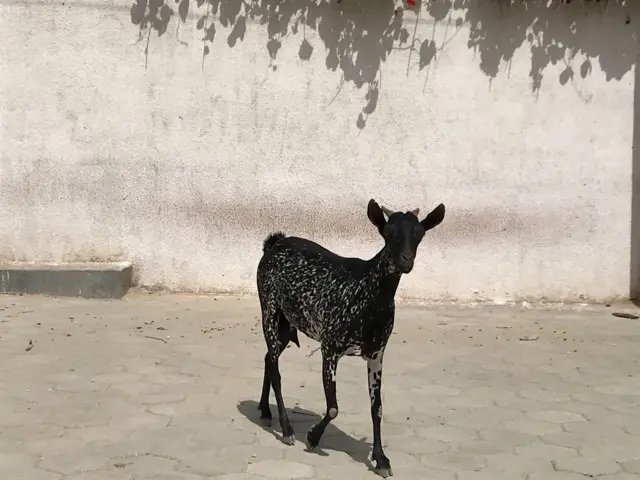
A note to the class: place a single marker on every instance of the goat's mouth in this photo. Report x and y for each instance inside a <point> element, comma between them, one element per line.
<point>405,267</point>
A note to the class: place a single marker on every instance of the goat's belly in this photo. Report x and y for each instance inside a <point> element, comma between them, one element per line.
<point>312,332</point>
<point>353,351</point>
<point>306,323</point>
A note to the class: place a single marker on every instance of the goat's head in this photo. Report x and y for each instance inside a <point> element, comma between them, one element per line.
<point>403,232</point>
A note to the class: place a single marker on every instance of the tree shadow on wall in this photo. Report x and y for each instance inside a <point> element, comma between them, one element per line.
<point>555,34</point>
<point>359,36</point>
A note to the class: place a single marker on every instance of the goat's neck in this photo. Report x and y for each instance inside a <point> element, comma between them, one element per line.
<point>385,274</point>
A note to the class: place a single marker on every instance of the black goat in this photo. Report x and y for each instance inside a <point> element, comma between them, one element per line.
<point>346,304</point>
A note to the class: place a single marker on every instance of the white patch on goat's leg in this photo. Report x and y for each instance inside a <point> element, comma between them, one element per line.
<point>374,366</point>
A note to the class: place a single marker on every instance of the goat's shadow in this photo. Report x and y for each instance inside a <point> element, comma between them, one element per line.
<point>333,439</point>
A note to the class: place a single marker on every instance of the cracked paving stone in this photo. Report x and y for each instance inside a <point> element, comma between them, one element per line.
<point>533,427</point>
<point>480,447</point>
<point>481,418</point>
<point>435,391</point>
<point>136,465</point>
<point>101,475</point>
<point>206,462</point>
<point>489,475</point>
<point>208,436</point>
<point>565,439</point>
<point>344,443</point>
<point>135,390</point>
<point>507,438</point>
<point>14,461</point>
<point>400,459</point>
<point>158,441</point>
<point>556,476</point>
<point>618,453</point>
<point>115,378</point>
<point>168,476</point>
<point>420,446</point>
<point>632,466</point>
<point>69,463</point>
<point>239,476</point>
<point>104,434</point>
<point>621,390</point>
<point>446,433</point>
<point>281,469</point>
<point>587,466</point>
<point>543,451</point>
<point>587,410</point>
<point>557,416</point>
<point>165,409</point>
<point>162,398</point>
<point>25,474</point>
<point>511,463</point>
<point>468,401</point>
<point>352,471</point>
<point>453,462</point>
<point>409,473</point>
<point>317,458</point>
<point>618,476</point>
<point>140,420</point>
<point>542,395</point>
<point>250,453</point>
<point>600,432</point>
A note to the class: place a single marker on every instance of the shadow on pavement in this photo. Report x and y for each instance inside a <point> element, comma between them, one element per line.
<point>302,420</point>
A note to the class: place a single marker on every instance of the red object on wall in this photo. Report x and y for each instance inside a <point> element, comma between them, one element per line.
<point>411,2</point>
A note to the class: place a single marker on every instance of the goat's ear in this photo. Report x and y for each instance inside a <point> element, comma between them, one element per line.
<point>434,218</point>
<point>374,212</point>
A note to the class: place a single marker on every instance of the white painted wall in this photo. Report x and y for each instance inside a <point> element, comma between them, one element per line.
<point>183,169</point>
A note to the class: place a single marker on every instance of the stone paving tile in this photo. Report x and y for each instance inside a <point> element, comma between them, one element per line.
<point>618,476</point>
<point>165,387</point>
<point>632,466</point>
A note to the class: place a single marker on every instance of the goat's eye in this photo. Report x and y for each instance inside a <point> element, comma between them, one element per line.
<point>418,230</point>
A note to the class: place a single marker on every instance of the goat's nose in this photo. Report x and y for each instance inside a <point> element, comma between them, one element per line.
<point>407,257</point>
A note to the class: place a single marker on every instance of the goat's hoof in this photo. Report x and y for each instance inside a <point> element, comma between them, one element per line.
<point>289,440</point>
<point>383,465</point>
<point>311,441</point>
<point>384,472</point>
<point>266,421</point>
<point>265,415</point>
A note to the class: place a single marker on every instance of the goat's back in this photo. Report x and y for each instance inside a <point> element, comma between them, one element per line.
<point>288,254</point>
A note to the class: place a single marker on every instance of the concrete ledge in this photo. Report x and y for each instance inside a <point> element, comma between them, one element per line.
<point>86,280</point>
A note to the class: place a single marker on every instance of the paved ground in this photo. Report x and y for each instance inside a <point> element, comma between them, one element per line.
<point>165,388</point>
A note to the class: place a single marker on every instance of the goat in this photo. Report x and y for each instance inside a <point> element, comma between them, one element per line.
<point>346,304</point>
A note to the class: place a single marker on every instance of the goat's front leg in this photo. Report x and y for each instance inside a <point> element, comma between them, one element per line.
<point>374,366</point>
<point>329,368</point>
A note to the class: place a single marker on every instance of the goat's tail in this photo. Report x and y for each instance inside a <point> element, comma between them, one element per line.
<point>271,240</point>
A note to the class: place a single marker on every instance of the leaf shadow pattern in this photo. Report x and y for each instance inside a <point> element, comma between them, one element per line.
<point>555,32</point>
<point>360,36</point>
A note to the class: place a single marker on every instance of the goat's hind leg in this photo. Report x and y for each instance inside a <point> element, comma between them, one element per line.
<point>285,334</point>
<point>276,343</point>
<point>263,406</point>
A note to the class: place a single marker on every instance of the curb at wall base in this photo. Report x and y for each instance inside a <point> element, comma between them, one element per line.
<point>82,280</point>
